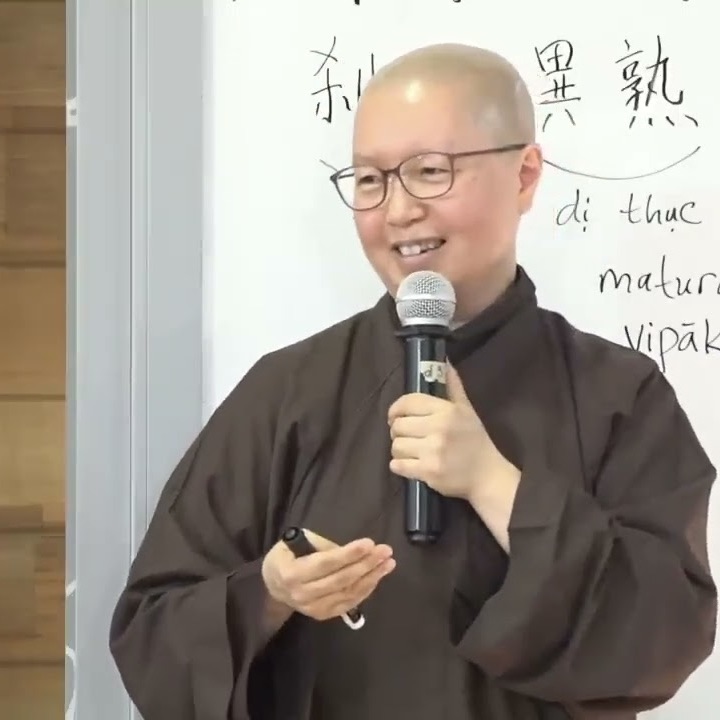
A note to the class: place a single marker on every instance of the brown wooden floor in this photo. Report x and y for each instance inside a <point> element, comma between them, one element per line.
<point>32,359</point>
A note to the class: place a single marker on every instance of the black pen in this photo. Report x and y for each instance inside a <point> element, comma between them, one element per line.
<point>297,541</point>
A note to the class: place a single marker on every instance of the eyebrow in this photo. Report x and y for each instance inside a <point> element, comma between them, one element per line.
<point>366,159</point>
<point>372,160</point>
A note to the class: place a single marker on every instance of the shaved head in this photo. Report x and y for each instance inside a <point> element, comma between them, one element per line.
<point>444,145</point>
<point>490,85</point>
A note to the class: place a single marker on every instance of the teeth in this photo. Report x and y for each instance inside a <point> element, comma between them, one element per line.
<point>419,248</point>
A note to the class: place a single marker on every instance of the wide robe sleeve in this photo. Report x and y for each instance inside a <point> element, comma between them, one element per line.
<point>608,603</point>
<point>187,626</point>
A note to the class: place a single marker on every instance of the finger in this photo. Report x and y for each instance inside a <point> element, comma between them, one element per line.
<point>403,448</point>
<point>326,562</point>
<point>343,579</point>
<point>406,467</point>
<point>363,588</point>
<point>318,541</point>
<point>412,426</point>
<point>455,387</point>
<point>415,404</point>
<point>339,581</point>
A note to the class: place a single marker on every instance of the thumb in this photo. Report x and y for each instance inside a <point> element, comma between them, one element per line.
<point>318,541</point>
<point>455,387</point>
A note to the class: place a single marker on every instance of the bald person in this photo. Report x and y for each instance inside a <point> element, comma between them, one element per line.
<point>571,580</point>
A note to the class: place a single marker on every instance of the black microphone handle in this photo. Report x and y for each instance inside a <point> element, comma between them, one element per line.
<point>425,368</point>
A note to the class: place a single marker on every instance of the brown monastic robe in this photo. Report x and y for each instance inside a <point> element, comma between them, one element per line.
<point>603,608</point>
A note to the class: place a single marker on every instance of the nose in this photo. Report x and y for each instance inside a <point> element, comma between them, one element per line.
<point>402,208</point>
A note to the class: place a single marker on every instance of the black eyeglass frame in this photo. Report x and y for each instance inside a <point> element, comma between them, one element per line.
<point>452,157</point>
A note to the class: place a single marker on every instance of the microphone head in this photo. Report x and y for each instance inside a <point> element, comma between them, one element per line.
<point>425,298</point>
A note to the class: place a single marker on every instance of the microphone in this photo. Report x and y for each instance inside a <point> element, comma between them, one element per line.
<point>425,305</point>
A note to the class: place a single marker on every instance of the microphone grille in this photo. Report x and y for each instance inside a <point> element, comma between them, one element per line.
<point>425,298</point>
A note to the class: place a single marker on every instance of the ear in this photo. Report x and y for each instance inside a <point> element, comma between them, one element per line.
<point>529,173</point>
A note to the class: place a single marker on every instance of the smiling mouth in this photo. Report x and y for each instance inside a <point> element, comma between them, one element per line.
<point>419,248</point>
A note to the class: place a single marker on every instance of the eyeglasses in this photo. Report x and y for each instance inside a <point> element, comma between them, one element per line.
<point>426,176</point>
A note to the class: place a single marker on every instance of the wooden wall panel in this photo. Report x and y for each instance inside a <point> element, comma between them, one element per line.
<point>32,587</point>
<point>32,601</point>
<point>32,211</point>
<point>32,359</point>
<point>32,53</point>
<point>32,460</point>
<point>3,190</point>
<point>18,612</point>
<point>32,324</point>
<point>32,693</point>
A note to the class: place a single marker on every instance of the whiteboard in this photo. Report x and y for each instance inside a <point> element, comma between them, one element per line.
<point>631,184</point>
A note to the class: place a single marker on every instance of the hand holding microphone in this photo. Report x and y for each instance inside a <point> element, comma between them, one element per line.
<point>438,441</point>
<point>441,442</point>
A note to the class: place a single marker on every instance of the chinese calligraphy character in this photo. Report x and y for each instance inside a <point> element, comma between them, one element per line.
<point>330,92</point>
<point>657,83</point>
<point>555,60</point>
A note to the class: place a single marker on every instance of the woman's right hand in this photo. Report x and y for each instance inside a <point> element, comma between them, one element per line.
<point>329,582</point>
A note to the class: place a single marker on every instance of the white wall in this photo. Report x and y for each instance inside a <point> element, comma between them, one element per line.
<point>281,257</point>
<point>134,234</point>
